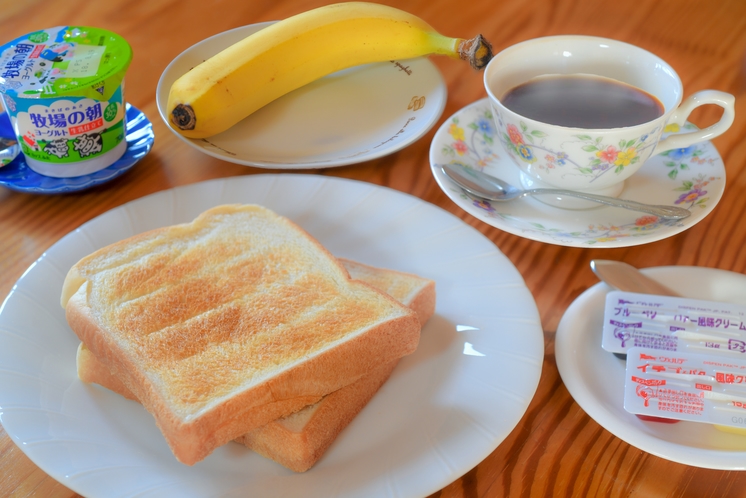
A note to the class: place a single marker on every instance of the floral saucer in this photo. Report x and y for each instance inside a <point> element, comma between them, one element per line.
<point>693,178</point>
<point>18,176</point>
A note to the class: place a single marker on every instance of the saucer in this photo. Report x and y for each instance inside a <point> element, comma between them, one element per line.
<point>595,378</point>
<point>692,178</point>
<point>355,115</point>
<point>18,176</point>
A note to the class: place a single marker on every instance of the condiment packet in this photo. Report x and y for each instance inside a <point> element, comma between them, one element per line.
<point>672,324</point>
<point>708,388</point>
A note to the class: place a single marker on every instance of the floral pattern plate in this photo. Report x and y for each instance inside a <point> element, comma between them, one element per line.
<point>693,178</point>
<point>18,176</point>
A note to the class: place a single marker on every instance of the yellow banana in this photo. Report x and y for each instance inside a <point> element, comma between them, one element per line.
<point>270,63</point>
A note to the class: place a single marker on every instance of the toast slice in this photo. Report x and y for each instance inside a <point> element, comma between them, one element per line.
<point>413,291</point>
<point>299,440</point>
<point>223,324</point>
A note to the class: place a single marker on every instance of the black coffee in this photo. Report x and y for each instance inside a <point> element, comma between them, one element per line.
<point>582,101</point>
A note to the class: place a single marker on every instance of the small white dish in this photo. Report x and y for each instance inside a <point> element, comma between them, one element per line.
<point>445,408</point>
<point>595,377</point>
<point>355,115</point>
<point>693,178</point>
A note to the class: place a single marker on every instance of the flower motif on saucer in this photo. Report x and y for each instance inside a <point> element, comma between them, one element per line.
<point>693,178</point>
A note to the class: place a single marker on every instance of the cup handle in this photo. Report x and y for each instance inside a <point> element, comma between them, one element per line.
<point>684,140</point>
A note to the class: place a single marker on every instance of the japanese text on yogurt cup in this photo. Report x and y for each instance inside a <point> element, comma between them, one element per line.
<point>63,90</point>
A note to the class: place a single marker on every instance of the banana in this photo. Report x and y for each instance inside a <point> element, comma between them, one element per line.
<point>270,63</point>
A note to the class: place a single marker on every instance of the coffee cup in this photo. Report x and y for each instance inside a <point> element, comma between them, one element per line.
<point>596,154</point>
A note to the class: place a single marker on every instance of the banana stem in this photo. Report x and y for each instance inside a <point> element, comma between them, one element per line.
<point>477,51</point>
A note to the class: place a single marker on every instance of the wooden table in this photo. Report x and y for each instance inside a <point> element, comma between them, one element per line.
<point>556,449</point>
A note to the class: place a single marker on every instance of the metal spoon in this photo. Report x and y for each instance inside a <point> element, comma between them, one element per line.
<point>8,150</point>
<point>490,188</point>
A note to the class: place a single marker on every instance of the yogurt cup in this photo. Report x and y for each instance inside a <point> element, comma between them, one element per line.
<point>63,89</point>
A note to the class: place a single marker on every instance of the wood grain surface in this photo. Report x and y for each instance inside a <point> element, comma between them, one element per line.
<point>556,449</point>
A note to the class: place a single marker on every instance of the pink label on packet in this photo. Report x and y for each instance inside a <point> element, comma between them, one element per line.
<point>685,386</point>
<point>649,382</point>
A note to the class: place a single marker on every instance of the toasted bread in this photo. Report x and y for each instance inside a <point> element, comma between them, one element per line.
<point>413,291</point>
<point>299,440</point>
<point>221,325</point>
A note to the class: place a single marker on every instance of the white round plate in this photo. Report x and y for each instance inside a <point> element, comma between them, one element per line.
<point>693,178</point>
<point>445,408</point>
<point>595,377</point>
<point>351,116</point>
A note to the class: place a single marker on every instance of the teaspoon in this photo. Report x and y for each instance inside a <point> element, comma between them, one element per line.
<point>490,188</point>
<point>8,150</point>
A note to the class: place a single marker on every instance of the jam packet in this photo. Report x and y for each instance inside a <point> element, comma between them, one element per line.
<point>672,324</point>
<point>708,388</point>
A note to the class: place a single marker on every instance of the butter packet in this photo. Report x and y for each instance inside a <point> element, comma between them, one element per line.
<point>707,388</point>
<point>672,324</point>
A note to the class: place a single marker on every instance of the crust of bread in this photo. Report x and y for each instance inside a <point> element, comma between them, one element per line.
<point>296,441</point>
<point>413,291</point>
<point>299,440</point>
<point>92,371</point>
<point>355,328</point>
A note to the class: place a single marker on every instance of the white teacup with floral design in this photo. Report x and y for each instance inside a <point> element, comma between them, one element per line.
<point>592,160</point>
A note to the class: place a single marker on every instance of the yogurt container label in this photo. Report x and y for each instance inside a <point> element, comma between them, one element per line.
<point>69,130</point>
<point>63,91</point>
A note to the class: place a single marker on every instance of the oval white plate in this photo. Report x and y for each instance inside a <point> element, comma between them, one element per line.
<point>445,408</point>
<point>692,178</point>
<point>348,117</point>
<point>595,378</point>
